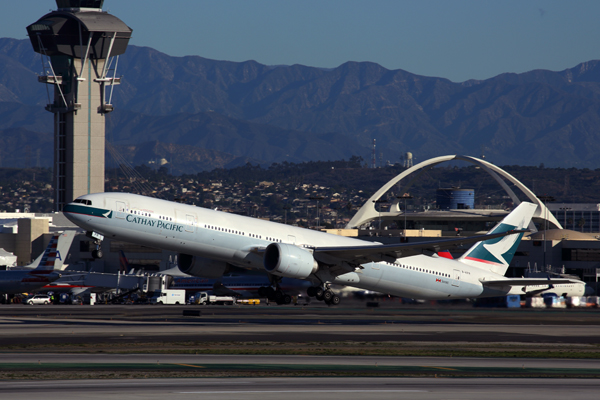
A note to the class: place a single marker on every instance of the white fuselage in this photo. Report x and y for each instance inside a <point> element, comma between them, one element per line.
<point>233,238</point>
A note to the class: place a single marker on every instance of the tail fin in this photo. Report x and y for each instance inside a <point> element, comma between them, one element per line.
<point>496,254</point>
<point>56,252</point>
<point>123,263</point>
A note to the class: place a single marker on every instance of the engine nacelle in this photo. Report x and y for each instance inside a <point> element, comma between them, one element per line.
<point>201,267</point>
<point>289,261</point>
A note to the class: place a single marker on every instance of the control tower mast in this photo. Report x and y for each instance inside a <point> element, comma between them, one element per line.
<point>78,42</point>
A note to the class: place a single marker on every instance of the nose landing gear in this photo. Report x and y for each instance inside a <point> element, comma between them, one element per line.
<point>97,253</point>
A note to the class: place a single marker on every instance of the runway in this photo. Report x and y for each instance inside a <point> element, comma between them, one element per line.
<point>302,388</point>
<point>47,359</point>
<point>296,352</point>
<point>30,325</point>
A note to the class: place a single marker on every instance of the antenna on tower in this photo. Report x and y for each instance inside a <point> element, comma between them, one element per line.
<point>374,157</point>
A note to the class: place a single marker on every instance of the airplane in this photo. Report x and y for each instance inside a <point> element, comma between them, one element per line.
<point>546,288</point>
<point>44,270</point>
<point>208,241</point>
<point>244,285</point>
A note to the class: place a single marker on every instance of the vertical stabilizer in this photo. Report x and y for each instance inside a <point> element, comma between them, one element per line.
<point>56,252</point>
<point>123,263</point>
<point>496,254</point>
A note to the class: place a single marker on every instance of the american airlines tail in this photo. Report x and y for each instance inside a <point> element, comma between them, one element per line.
<point>54,255</point>
<point>123,263</point>
<point>496,254</point>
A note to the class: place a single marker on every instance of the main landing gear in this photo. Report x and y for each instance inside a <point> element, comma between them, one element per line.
<point>274,294</point>
<point>323,293</point>
<point>97,253</point>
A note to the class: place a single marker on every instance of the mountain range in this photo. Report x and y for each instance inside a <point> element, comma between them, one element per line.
<point>201,114</point>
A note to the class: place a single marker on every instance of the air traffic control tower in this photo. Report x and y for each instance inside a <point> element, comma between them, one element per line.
<point>79,45</point>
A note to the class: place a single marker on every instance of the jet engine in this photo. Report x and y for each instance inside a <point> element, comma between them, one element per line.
<point>201,267</point>
<point>289,261</point>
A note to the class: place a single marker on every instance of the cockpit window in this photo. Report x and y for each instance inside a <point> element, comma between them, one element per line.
<point>83,201</point>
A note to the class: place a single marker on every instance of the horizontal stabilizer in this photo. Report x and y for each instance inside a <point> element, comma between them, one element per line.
<point>527,282</point>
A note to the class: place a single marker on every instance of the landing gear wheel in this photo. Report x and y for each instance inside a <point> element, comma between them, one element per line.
<point>97,253</point>
<point>279,295</point>
<point>270,292</point>
<point>287,299</point>
<point>327,295</point>
<point>319,293</point>
<point>335,300</point>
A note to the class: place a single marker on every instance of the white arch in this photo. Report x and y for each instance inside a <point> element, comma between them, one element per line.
<point>368,212</point>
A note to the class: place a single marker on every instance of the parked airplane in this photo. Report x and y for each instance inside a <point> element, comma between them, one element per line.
<point>208,241</point>
<point>242,283</point>
<point>245,285</point>
<point>45,269</point>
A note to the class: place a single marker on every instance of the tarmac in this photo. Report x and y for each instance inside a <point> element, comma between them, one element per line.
<point>269,352</point>
<point>27,325</point>
<point>356,388</point>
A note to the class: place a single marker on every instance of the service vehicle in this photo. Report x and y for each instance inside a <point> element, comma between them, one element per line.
<point>168,296</point>
<point>204,299</point>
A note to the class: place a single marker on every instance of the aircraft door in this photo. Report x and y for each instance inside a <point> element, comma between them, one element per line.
<point>121,209</point>
<point>190,222</point>
<point>187,219</point>
<point>456,277</point>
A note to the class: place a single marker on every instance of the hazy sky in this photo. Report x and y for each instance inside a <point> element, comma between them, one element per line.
<point>454,39</point>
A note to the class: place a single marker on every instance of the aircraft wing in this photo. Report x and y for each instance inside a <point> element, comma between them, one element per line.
<point>528,282</point>
<point>390,252</point>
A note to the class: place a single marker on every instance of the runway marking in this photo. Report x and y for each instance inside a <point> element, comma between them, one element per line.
<point>308,391</point>
<point>449,369</point>
<point>190,365</point>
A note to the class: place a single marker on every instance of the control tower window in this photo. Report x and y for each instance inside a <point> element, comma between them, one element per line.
<point>79,3</point>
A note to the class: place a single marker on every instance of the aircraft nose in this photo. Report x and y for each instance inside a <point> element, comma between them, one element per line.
<point>76,213</point>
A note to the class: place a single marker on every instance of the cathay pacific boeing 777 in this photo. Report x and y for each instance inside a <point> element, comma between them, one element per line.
<point>208,241</point>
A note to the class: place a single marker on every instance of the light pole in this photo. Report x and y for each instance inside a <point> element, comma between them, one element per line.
<point>317,198</point>
<point>405,196</point>
<point>565,215</point>
<point>336,207</point>
<point>286,207</point>
<point>380,202</point>
<point>545,199</point>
